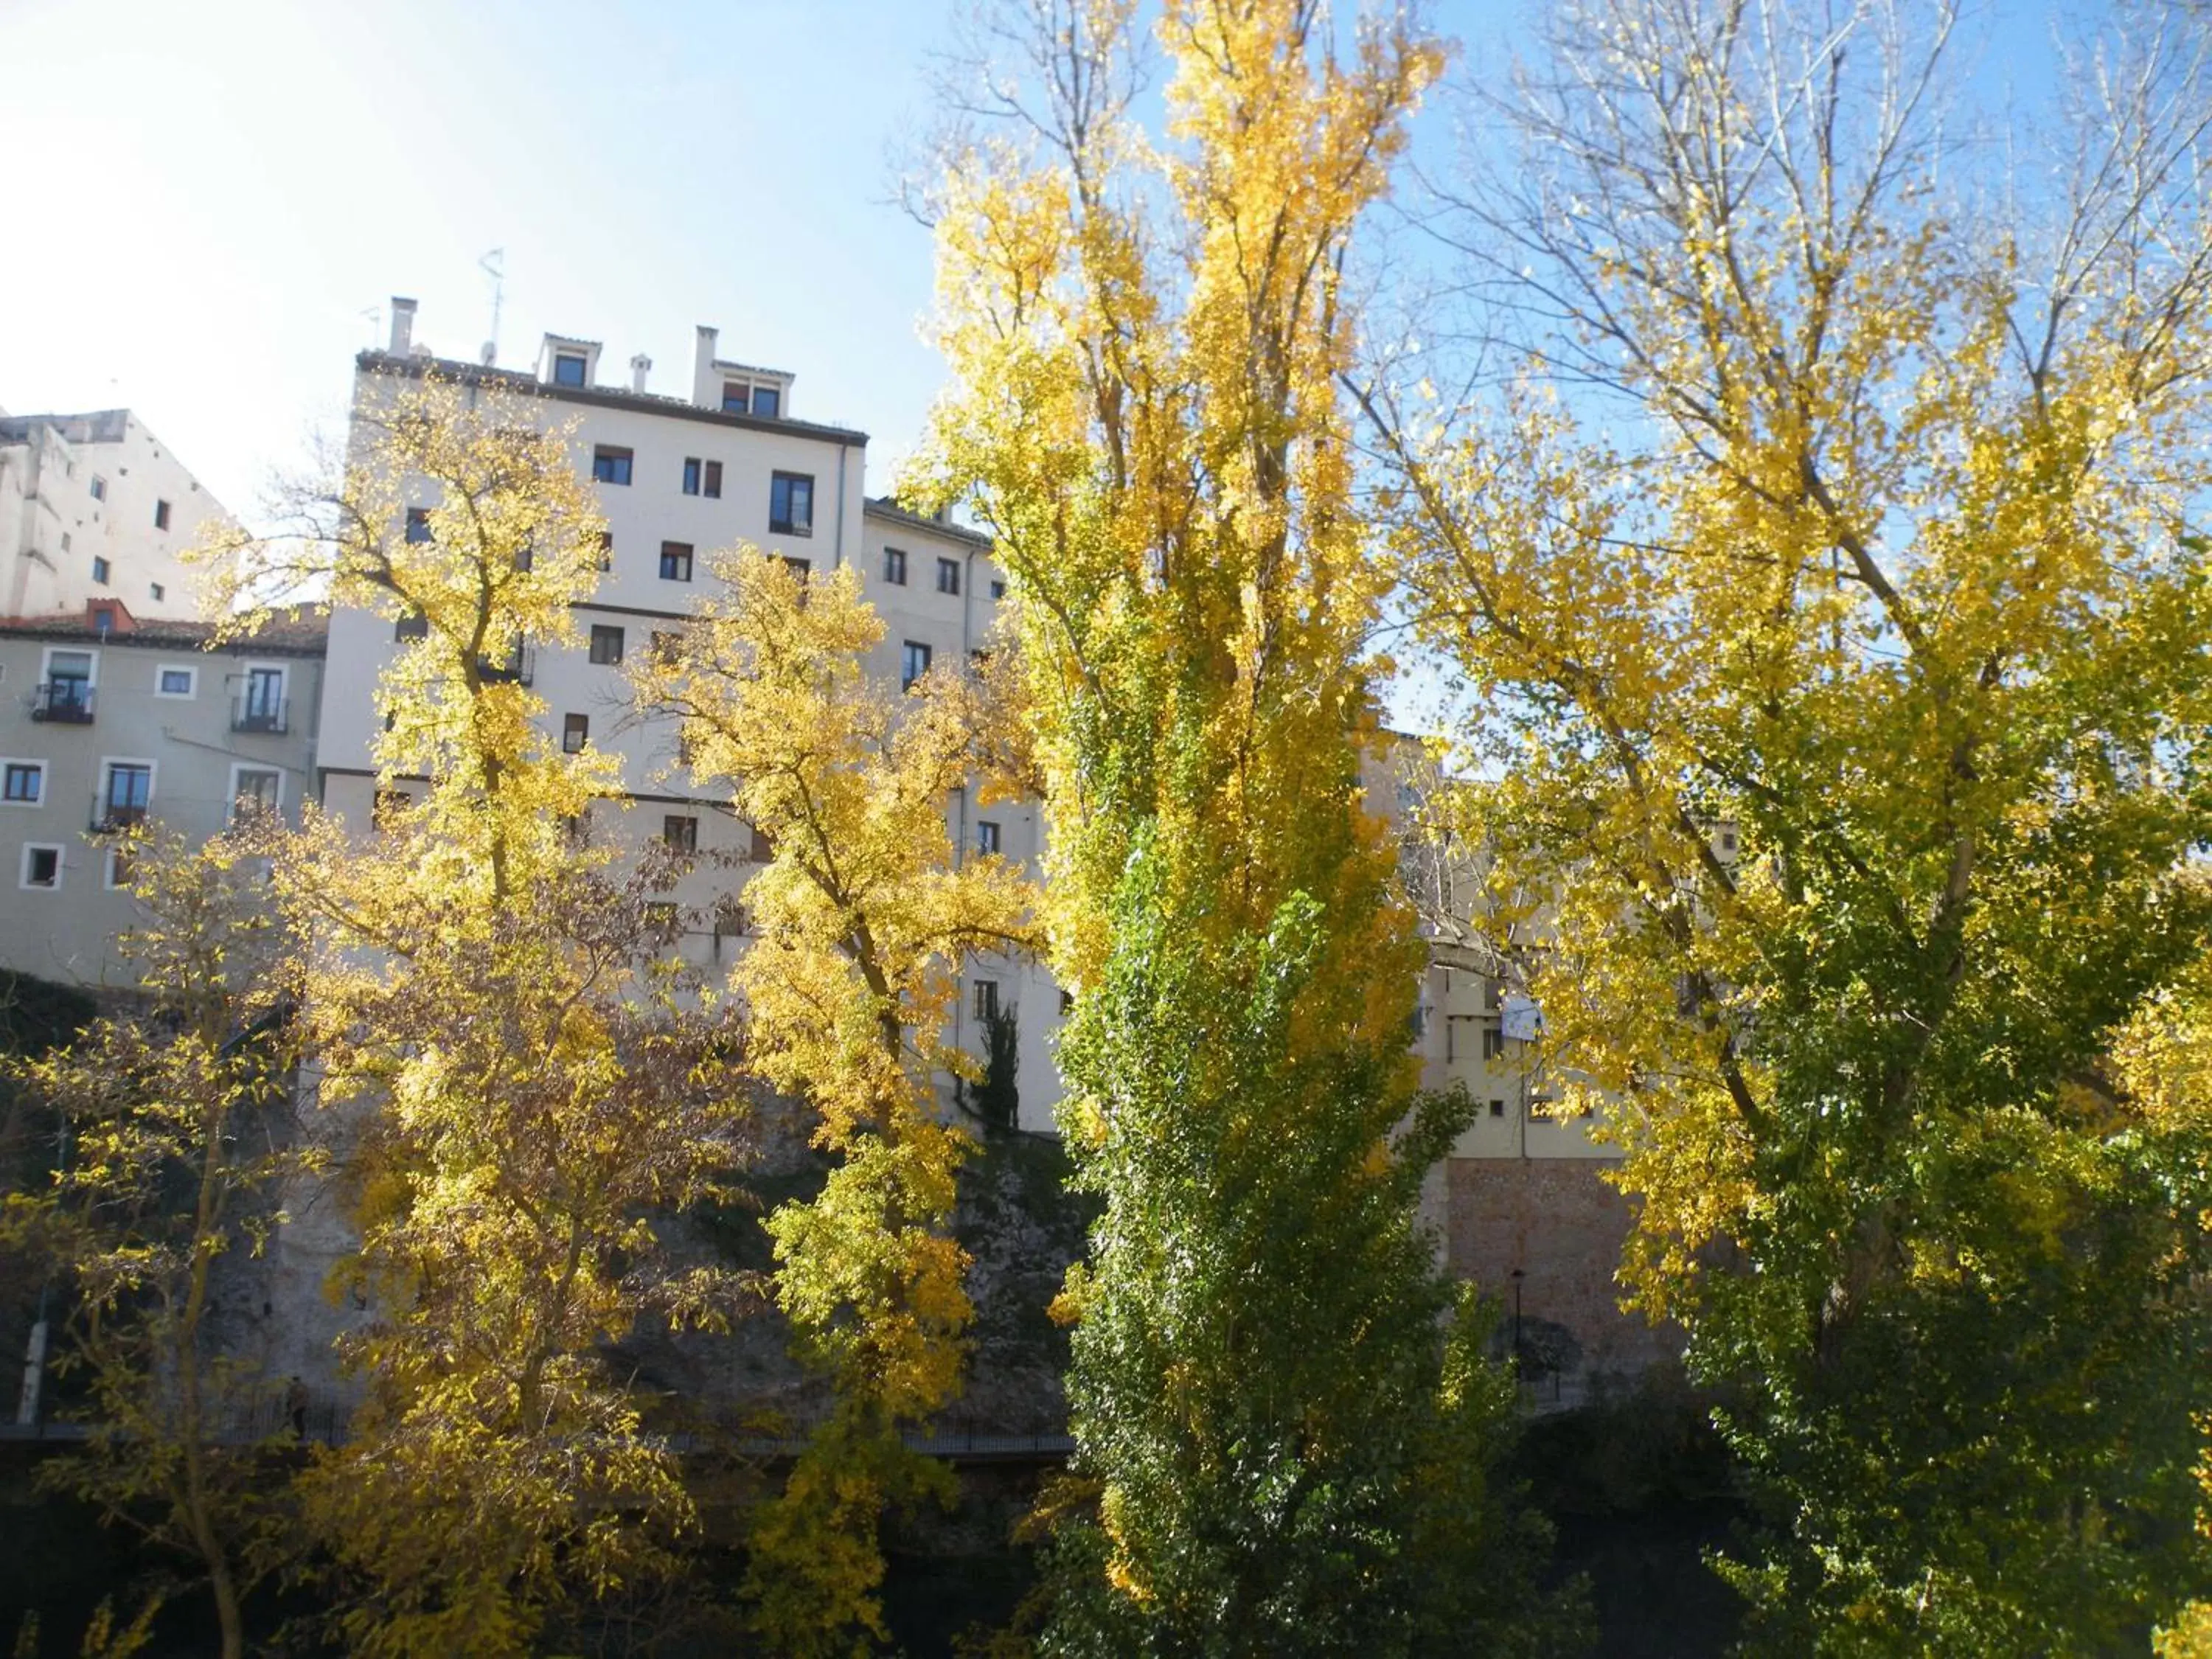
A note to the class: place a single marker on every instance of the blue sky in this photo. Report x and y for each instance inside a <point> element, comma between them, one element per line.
<point>209,197</point>
<point>219,190</point>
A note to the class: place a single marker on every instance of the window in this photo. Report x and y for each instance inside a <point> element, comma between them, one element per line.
<point>661,919</point>
<point>914,663</point>
<point>412,626</point>
<point>665,646</point>
<point>998,589</point>
<point>894,566</point>
<point>606,645</point>
<point>761,849</point>
<point>1493,1043</point>
<point>23,781</point>
<point>1067,1004</point>
<point>568,370</point>
<point>798,568</point>
<point>127,793</point>
<point>714,480</point>
<point>606,549</point>
<point>65,541</point>
<point>736,397</point>
<point>791,503</point>
<point>98,488</point>
<point>254,790</point>
<point>389,811</point>
<point>103,618</point>
<point>979,661</point>
<point>161,515</point>
<point>575,733</point>
<point>99,569</point>
<point>175,681</point>
<point>524,558</point>
<point>987,836</point>
<point>767,401</point>
<point>157,590</point>
<point>611,465</point>
<point>42,866</point>
<point>1498,1109</point>
<point>680,832</point>
<point>66,697</point>
<point>261,702</point>
<point>948,575</point>
<point>691,469</point>
<point>987,999</point>
<point>676,562</point>
<point>418,525</point>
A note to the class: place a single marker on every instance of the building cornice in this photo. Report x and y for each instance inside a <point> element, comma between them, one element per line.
<point>639,403</point>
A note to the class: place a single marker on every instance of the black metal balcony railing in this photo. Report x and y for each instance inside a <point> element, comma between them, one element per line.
<point>270,715</point>
<point>65,702</point>
<point>109,816</point>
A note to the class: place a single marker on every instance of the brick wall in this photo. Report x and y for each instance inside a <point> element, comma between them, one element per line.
<point>1559,1222</point>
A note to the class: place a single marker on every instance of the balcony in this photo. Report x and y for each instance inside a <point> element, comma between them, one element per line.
<point>111,818</point>
<point>519,668</point>
<point>267,716</point>
<point>64,703</point>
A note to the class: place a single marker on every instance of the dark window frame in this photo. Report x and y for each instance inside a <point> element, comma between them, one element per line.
<point>35,771</point>
<point>612,464</point>
<point>678,555</point>
<point>693,469</point>
<point>680,831</point>
<point>948,577</point>
<point>576,733</point>
<point>894,566</point>
<point>571,368</point>
<point>784,493</point>
<point>605,647</point>
<point>908,674</point>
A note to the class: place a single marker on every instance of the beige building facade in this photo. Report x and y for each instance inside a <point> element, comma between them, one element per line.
<point>678,478</point>
<point>95,506</point>
<point>108,720</point>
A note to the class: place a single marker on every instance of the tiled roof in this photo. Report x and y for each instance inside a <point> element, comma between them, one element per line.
<point>883,507</point>
<point>603,397</point>
<point>294,631</point>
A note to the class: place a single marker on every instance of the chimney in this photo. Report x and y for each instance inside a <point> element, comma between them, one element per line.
<point>640,367</point>
<point>403,325</point>
<point>704,393</point>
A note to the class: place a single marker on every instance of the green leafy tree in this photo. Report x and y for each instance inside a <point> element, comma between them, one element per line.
<point>1844,715</point>
<point>177,1118</point>
<point>1286,1439</point>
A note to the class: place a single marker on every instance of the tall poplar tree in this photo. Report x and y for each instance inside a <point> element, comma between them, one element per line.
<point>1284,1445</point>
<point>522,1077</point>
<point>858,924</point>
<point>1847,707</point>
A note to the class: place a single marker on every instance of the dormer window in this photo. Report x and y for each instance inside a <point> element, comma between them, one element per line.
<point>751,397</point>
<point>568,368</point>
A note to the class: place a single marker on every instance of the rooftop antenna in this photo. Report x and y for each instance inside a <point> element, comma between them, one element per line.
<point>493,265</point>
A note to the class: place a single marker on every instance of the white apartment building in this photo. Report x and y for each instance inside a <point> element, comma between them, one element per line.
<point>680,477</point>
<point>1520,1202</point>
<point>108,720</point>
<point>94,506</point>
